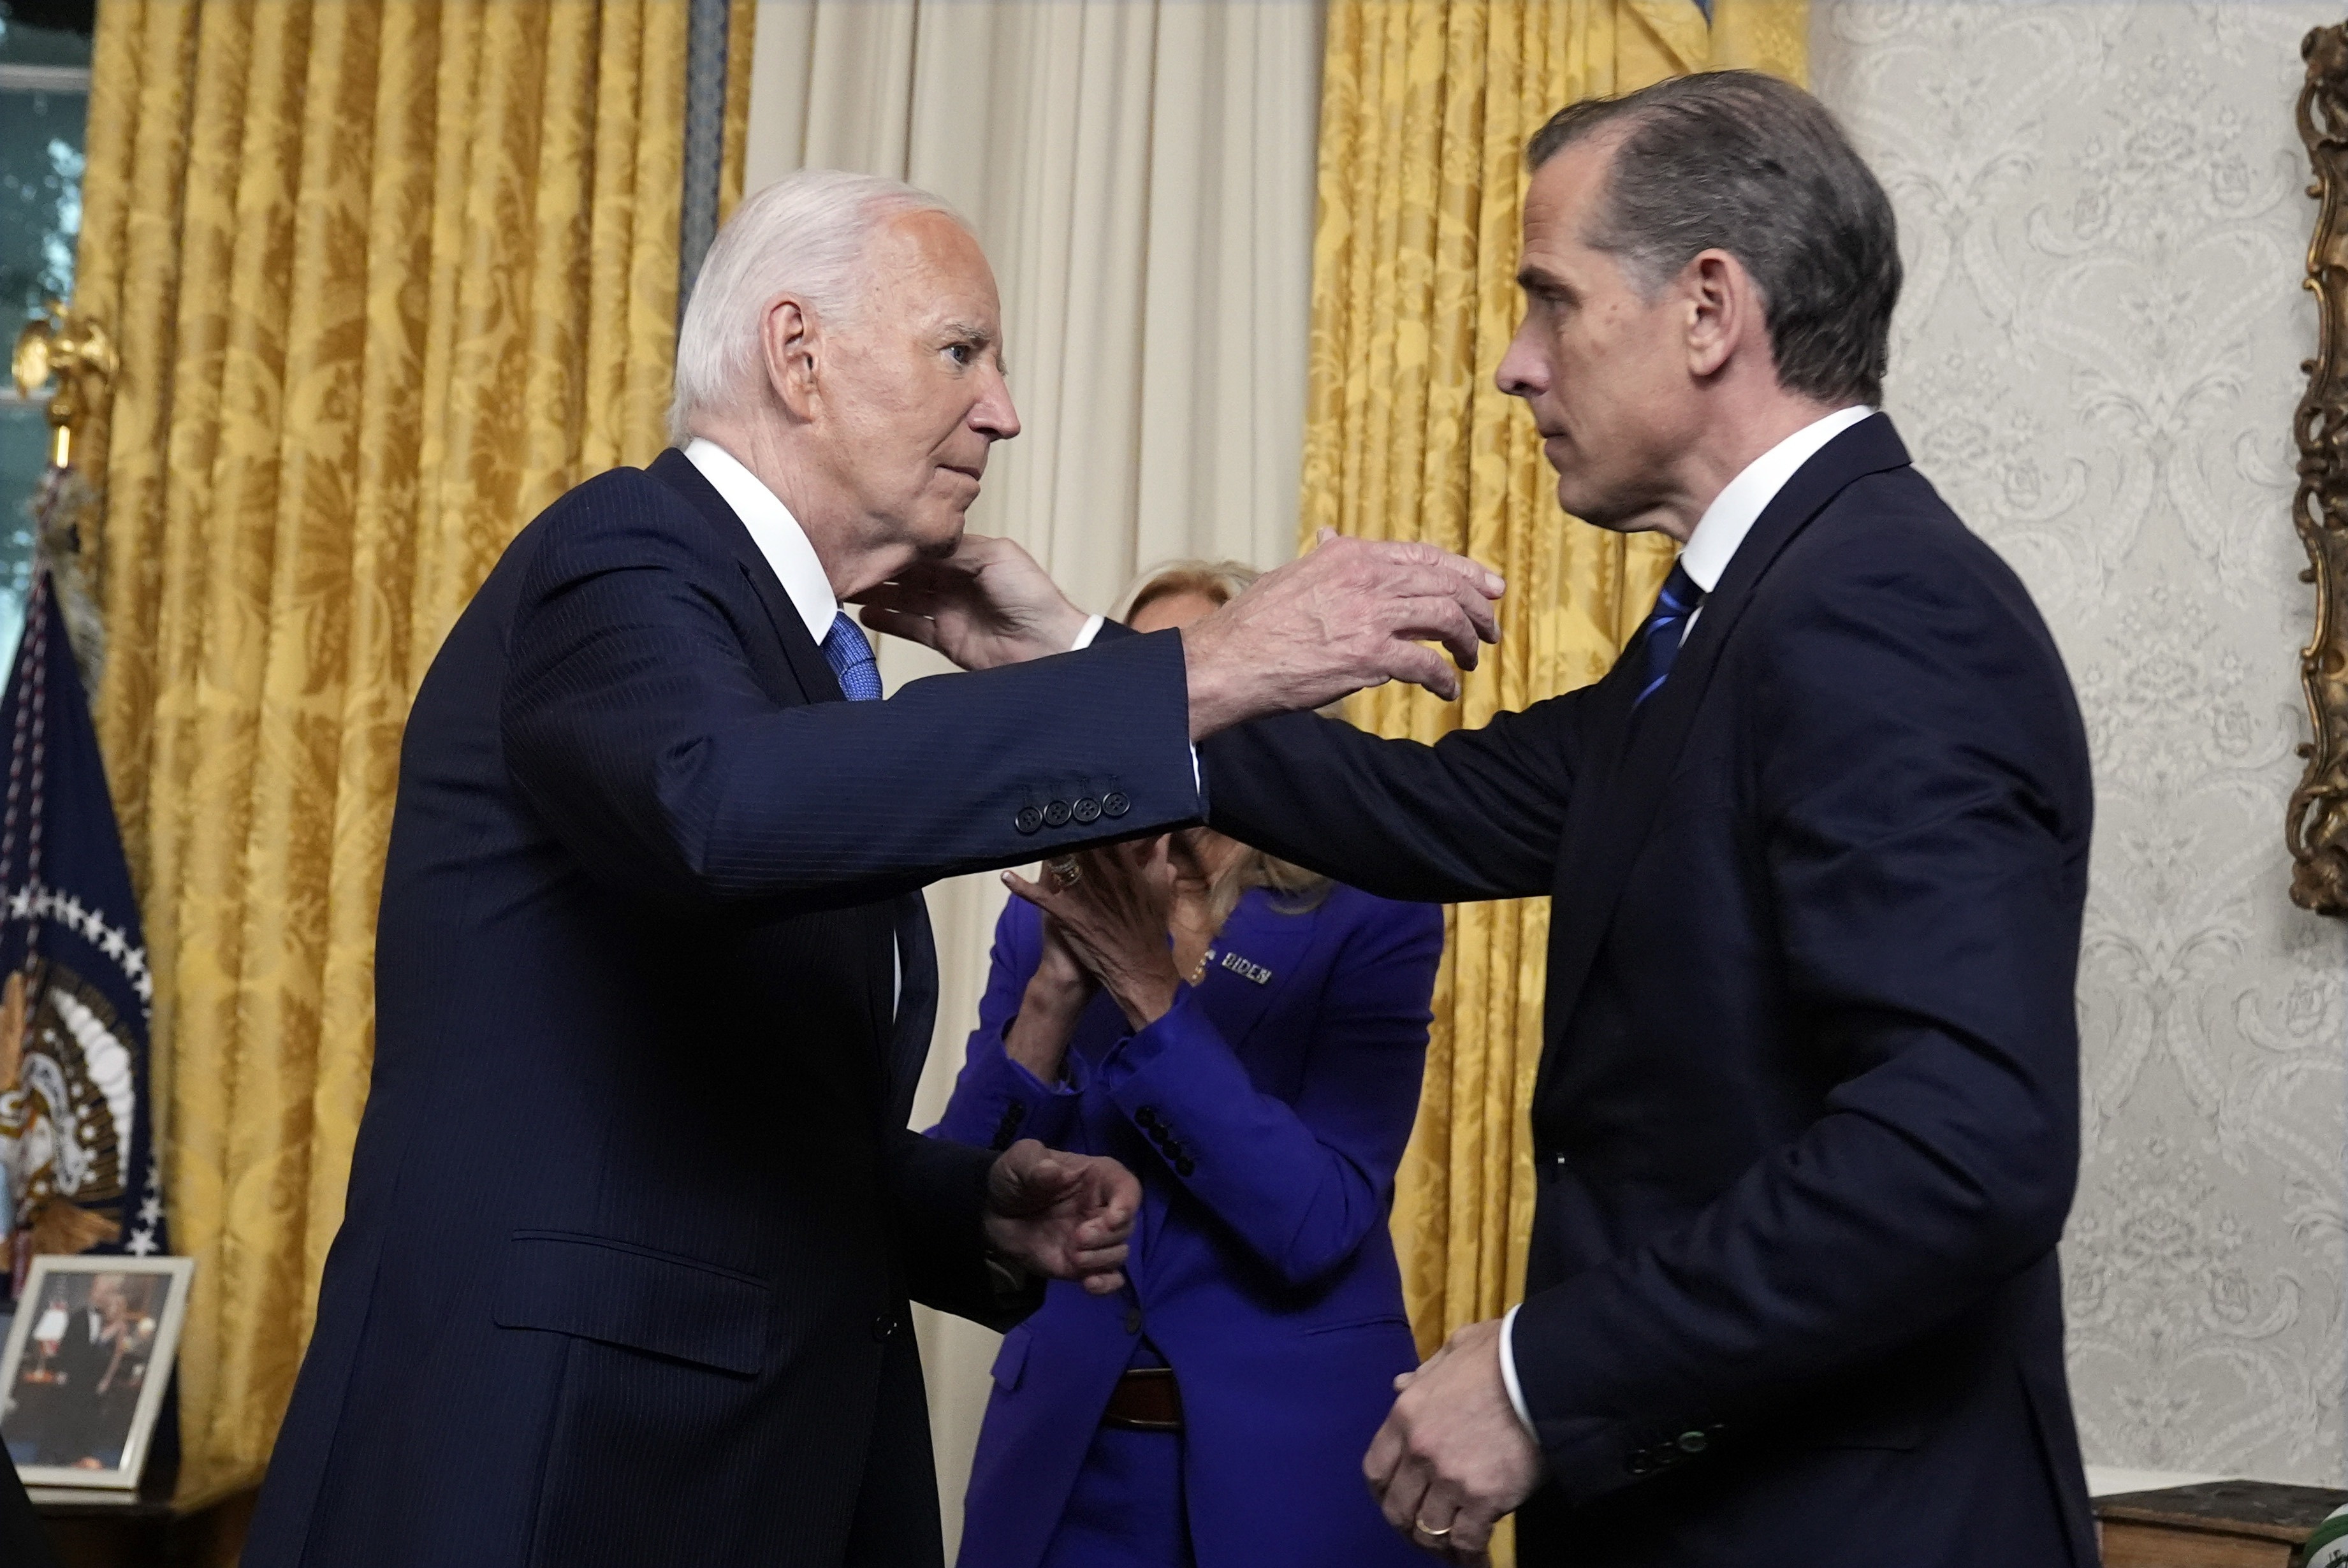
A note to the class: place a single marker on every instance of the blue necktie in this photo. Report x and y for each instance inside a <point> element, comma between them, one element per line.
<point>851,658</point>
<point>1666,626</point>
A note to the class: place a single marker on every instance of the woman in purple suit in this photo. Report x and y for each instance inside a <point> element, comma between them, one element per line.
<point>1249,1038</point>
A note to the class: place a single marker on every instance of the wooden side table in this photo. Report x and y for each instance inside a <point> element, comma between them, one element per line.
<point>2214,1524</point>
<point>146,1533</point>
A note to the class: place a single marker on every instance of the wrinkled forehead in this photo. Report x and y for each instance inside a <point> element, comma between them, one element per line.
<point>923,270</point>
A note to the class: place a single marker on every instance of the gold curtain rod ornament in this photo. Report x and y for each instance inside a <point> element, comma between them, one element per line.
<point>72,350</point>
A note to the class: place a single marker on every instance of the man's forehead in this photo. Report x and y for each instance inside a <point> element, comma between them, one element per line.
<point>938,265</point>
<point>1562,190</point>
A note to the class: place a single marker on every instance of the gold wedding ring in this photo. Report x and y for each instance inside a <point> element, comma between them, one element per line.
<point>1065,870</point>
<point>1430,1531</point>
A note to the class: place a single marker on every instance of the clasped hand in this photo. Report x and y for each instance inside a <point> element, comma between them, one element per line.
<point>1452,1458</point>
<point>1062,1215</point>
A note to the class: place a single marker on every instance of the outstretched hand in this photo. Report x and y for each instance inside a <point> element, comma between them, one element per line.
<point>1065,1217</point>
<point>1354,613</point>
<point>985,605</point>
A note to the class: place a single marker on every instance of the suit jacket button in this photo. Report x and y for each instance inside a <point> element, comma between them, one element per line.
<point>1640,1464</point>
<point>1184,1165</point>
<point>1113,803</point>
<point>1087,810</point>
<point>1056,815</point>
<point>1694,1443</point>
<point>1133,1320</point>
<point>1029,820</point>
<point>883,1326</point>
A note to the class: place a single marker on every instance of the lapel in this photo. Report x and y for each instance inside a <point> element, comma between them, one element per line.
<point>917,1005</point>
<point>1607,826</point>
<point>805,659</point>
<point>915,966</point>
<point>1262,938</point>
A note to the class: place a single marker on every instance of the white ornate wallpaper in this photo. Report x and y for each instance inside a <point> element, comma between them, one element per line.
<point>2104,217</point>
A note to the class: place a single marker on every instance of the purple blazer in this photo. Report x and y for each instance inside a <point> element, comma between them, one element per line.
<point>1265,1115</point>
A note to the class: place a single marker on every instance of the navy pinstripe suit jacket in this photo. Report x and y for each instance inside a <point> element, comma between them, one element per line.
<point>634,1215</point>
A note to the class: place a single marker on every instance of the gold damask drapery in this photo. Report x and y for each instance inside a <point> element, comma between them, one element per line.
<point>387,276</point>
<point>1425,108</point>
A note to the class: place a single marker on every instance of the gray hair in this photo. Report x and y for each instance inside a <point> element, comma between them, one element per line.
<point>805,234</point>
<point>1746,163</point>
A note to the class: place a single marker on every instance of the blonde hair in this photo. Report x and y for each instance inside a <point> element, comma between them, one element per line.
<point>1297,891</point>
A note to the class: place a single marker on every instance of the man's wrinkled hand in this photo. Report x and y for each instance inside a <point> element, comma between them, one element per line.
<point>1354,613</point>
<point>985,605</point>
<point>1452,1459</point>
<point>1063,1215</point>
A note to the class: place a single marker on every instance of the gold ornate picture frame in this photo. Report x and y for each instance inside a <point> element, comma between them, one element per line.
<point>2316,826</point>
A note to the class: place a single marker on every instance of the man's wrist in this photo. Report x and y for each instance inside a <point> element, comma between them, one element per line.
<point>1508,1372</point>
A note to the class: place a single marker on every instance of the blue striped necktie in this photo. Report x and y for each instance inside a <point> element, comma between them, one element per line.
<point>1666,626</point>
<point>851,658</point>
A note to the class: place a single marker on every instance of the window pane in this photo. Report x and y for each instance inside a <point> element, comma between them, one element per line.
<point>44,108</point>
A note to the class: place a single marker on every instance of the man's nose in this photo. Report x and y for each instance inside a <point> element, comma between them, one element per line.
<point>994,417</point>
<point>1524,373</point>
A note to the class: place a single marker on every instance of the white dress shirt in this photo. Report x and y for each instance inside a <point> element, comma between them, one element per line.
<point>1705,555</point>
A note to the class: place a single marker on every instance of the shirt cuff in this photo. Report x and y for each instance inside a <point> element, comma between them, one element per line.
<point>1508,1371</point>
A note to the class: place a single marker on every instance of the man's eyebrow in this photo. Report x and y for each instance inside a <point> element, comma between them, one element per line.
<point>1534,280</point>
<point>972,331</point>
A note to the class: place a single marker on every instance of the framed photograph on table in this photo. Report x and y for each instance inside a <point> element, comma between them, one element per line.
<point>87,1362</point>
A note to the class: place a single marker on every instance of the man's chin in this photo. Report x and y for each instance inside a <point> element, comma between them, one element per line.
<point>1611,513</point>
<point>937,543</point>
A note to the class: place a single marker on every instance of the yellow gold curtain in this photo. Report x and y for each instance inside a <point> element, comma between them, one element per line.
<point>388,277</point>
<point>1425,108</point>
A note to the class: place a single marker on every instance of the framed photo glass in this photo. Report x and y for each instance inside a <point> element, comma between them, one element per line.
<point>87,1361</point>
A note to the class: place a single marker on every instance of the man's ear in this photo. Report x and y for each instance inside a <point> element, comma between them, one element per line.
<point>1722,308</point>
<point>792,345</point>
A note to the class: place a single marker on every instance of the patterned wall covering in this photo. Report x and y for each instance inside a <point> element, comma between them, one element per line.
<point>2096,360</point>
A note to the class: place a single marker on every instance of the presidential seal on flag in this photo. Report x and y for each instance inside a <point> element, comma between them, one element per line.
<point>77,1161</point>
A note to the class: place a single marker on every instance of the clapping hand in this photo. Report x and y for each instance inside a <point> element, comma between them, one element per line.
<point>1062,1215</point>
<point>986,604</point>
<point>1109,907</point>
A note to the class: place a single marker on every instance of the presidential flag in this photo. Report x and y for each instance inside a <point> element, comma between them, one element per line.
<point>77,1159</point>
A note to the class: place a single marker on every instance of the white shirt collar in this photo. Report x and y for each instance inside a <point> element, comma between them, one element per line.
<point>1743,500</point>
<point>774,531</point>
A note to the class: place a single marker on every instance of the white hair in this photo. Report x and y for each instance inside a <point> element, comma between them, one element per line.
<point>806,234</point>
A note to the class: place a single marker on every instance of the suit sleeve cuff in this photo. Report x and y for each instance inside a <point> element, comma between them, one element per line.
<point>1091,630</point>
<point>1508,1372</point>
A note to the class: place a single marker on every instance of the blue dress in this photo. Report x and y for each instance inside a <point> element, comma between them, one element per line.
<point>1264,1114</point>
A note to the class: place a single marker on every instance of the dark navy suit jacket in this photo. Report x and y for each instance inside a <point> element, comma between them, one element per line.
<point>1265,1114</point>
<point>1807,1119</point>
<point>634,1214</point>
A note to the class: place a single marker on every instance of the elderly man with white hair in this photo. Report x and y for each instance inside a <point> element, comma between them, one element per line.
<point>634,1215</point>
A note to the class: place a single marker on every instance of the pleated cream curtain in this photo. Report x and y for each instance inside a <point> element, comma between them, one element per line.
<point>386,278</point>
<point>1141,175</point>
<point>1425,108</point>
